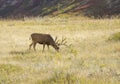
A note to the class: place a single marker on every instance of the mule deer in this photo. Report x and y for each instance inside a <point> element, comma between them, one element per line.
<point>45,39</point>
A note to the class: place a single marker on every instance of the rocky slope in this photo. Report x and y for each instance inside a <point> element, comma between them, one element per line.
<point>18,8</point>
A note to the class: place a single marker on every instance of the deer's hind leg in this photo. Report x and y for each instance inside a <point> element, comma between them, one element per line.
<point>30,46</point>
<point>34,44</point>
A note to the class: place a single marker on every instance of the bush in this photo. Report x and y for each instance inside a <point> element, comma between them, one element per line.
<point>115,37</point>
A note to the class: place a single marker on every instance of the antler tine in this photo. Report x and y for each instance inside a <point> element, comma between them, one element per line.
<point>56,40</point>
<point>63,42</point>
<point>63,39</point>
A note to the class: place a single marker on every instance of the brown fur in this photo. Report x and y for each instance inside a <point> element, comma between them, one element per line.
<point>45,39</point>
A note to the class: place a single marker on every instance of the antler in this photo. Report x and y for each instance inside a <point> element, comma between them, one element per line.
<point>63,42</point>
<point>56,40</point>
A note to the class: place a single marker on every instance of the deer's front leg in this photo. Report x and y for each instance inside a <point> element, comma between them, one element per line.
<point>48,47</point>
<point>43,47</point>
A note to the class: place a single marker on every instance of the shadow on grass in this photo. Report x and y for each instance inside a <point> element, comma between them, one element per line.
<point>19,52</point>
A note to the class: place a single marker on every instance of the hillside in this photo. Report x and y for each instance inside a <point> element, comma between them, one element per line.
<point>55,7</point>
<point>35,7</point>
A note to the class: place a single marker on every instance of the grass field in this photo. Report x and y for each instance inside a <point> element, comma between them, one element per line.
<point>91,59</point>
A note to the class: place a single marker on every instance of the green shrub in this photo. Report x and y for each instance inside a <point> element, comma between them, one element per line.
<point>8,69</point>
<point>7,73</point>
<point>59,78</point>
<point>115,37</point>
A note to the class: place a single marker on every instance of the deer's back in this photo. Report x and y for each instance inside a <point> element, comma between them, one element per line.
<point>42,38</point>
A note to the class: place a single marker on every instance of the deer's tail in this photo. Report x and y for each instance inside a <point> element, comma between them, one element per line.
<point>30,38</point>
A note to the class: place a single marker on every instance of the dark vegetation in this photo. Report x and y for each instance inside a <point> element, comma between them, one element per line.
<point>21,8</point>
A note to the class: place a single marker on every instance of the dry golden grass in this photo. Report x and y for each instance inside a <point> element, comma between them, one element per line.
<point>90,60</point>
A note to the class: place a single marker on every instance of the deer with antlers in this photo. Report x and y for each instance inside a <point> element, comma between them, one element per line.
<point>46,39</point>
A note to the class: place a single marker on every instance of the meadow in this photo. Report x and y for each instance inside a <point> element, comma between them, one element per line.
<point>91,58</point>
